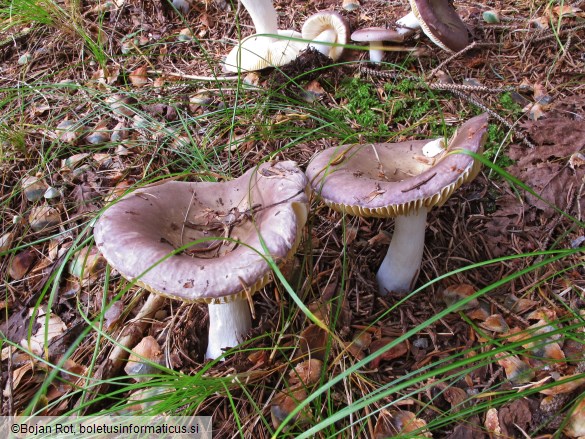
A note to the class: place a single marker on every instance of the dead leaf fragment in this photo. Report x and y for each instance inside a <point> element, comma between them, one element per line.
<point>33,187</point>
<point>44,216</point>
<point>495,323</point>
<point>567,11</point>
<point>394,352</point>
<point>68,131</point>
<point>313,341</point>
<point>576,424</point>
<point>6,241</point>
<point>566,387</point>
<point>45,331</point>
<point>455,293</point>
<point>515,418</point>
<point>87,263</point>
<point>285,403</point>
<point>456,396</point>
<point>21,263</point>
<point>406,422</point>
<point>113,314</point>
<point>139,77</point>
<point>148,350</point>
<point>306,373</point>
<point>517,371</point>
<point>492,423</point>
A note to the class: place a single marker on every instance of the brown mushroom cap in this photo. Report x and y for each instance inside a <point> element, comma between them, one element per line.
<point>265,205</point>
<point>441,23</point>
<point>388,179</point>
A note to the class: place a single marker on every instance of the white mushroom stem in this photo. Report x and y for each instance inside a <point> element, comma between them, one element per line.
<point>263,15</point>
<point>327,36</point>
<point>400,267</point>
<point>408,24</point>
<point>228,324</point>
<point>376,51</point>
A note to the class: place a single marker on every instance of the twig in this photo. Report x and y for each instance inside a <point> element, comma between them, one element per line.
<point>511,127</point>
<point>562,57</point>
<point>422,84</point>
<point>196,77</point>
<point>451,58</point>
<point>557,34</point>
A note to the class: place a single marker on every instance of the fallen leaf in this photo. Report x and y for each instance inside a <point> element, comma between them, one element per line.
<point>406,422</point>
<point>456,396</point>
<point>147,350</point>
<point>44,216</point>
<point>306,373</point>
<point>567,11</point>
<point>495,323</point>
<point>576,424</point>
<point>515,418</point>
<point>139,77</point>
<point>284,403</point>
<point>455,293</point>
<point>21,263</point>
<point>394,352</point>
<point>113,314</point>
<point>492,423</point>
<point>33,187</point>
<point>517,371</point>
<point>574,382</point>
<point>313,341</point>
<point>87,264</point>
<point>45,331</point>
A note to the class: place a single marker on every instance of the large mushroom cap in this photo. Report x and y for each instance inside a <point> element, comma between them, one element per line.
<point>389,179</point>
<point>327,27</point>
<point>266,205</point>
<point>441,23</point>
<point>258,52</point>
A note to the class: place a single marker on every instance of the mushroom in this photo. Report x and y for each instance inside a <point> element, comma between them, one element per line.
<point>264,48</point>
<point>397,180</point>
<point>327,31</point>
<point>439,21</point>
<point>350,5</point>
<point>208,242</point>
<point>376,37</point>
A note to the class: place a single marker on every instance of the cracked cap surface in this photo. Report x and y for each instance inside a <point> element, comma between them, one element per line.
<point>139,235</point>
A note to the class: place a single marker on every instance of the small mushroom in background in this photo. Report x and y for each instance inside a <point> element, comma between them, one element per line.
<point>327,31</point>
<point>268,47</point>
<point>376,36</point>
<point>182,6</point>
<point>396,180</point>
<point>208,242</point>
<point>350,5</point>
